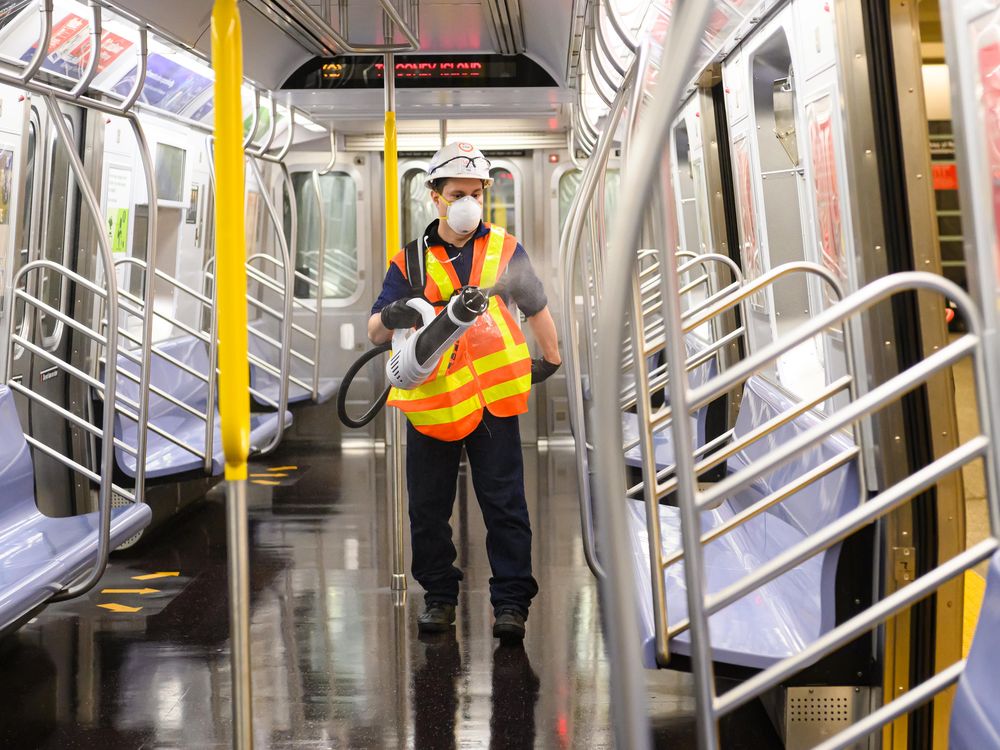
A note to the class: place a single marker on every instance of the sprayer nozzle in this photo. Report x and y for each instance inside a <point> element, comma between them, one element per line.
<point>471,304</point>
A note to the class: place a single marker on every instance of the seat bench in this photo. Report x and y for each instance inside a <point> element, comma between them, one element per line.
<point>39,555</point>
<point>663,448</point>
<point>163,456</point>
<point>264,383</point>
<point>782,617</point>
<point>975,721</point>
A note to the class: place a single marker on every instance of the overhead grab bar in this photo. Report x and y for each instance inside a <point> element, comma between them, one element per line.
<point>333,155</point>
<point>254,121</point>
<point>96,31</point>
<point>602,40</point>
<point>42,50</point>
<point>625,37</point>
<point>142,65</point>
<point>271,128</point>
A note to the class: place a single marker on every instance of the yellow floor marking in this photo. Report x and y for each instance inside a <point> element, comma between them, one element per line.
<point>119,608</point>
<point>140,592</point>
<point>282,468</point>
<point>264,481</point>
<point>161,574</point>
<point>269,476</point>
<point>975,587</point>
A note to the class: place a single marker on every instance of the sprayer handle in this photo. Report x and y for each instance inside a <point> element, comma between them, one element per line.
<point>427,314</point>
<point>422,306</point>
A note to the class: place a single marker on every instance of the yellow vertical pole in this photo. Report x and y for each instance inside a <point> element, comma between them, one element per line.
<point>391,248</point>
<point>234,403</point>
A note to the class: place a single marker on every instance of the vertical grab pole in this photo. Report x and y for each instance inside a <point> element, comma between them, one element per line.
<point>391,248</point>
<point>234,406</point>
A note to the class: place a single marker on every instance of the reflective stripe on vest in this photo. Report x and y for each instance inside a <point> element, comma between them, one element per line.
<point>489,366</point>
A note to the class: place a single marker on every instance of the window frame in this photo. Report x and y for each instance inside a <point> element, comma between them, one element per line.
<point>360,230</point>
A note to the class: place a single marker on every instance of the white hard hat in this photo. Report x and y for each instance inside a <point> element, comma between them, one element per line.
<point>459,159</point>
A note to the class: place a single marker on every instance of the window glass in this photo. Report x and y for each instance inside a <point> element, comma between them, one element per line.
<point>58,236</point>
<point>169,172</point>
<point>499,204</point>
<point>612,180</point>
<point>340,256</point>
<point>418,211</point>
<point>569,183</point>
<point>27,225</point>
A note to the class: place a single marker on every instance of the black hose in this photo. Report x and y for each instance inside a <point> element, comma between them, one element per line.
<point>353,370</point>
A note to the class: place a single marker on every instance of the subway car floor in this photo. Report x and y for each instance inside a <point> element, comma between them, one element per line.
<point>143,661</point>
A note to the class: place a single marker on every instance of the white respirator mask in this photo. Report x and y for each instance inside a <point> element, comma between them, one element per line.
<point>464,214</point>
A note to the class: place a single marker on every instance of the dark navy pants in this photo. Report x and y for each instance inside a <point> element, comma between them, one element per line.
<point>494,452</point>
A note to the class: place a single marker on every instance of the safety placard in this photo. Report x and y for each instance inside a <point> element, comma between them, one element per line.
<point>826,191</point>
<point>753,263</point>
<point>119,195</point>
<point>69,47</point>
<point>989,102</point>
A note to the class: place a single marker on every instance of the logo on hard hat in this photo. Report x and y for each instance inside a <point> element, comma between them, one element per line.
<point>465,147</point>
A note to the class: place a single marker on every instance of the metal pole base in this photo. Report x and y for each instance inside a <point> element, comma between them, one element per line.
<point>239,613</point>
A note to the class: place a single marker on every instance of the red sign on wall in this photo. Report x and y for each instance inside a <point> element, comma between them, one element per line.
<point>827,191</point>
<point>945,176</point>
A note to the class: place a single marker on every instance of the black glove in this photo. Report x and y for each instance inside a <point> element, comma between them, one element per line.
<point>399,315</point>
<point>542,369</point>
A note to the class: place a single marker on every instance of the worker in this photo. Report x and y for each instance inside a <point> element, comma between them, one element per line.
<point>475,395</point>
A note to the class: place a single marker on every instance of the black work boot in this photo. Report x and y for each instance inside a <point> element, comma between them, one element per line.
<point>509,625</point>
<point>436,618</point>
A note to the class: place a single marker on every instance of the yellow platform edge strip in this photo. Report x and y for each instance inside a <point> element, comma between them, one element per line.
<point>975,588</point>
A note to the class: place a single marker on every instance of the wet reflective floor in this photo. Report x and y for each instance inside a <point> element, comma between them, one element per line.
<point>143,662</point>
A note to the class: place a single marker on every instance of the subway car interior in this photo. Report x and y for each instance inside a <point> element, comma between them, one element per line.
<point>241,359</point>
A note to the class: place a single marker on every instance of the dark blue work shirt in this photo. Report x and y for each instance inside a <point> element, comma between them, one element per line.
<point>519,282</point>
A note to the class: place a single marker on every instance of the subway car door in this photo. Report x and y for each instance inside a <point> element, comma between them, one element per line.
<point>50,211</point>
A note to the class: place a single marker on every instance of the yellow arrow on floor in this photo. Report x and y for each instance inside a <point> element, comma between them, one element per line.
<point>282,468</point>
<point>119,607</point>
<point>265,482</point>
<point>162,574</point>
<point>140,592</point>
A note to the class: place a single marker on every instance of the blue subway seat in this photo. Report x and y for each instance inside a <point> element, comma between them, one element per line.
<point>265,383</point>
<point>164,457</point>
<point>782,617</point>
<point>975,721</point>
<point>39,555</point>
<point>662,440</point>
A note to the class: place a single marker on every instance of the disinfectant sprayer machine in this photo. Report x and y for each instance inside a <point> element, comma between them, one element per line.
<point>415,354</point>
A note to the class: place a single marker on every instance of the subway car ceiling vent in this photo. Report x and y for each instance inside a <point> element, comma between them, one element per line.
<point>422,71</point>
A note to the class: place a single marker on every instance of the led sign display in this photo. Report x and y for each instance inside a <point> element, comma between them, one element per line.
<point>420,71</point>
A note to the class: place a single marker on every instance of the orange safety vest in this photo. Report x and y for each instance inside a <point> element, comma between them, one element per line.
<point>488,367</point>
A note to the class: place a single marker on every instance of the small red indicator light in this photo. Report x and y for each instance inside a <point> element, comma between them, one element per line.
<point>553,158</point>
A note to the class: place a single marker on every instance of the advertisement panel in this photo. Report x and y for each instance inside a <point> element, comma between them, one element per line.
<point>753,263</point>
<point>69,47</point>
<point>826,192</point>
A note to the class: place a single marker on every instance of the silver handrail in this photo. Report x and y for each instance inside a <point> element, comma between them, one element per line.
<point>569,246</point>
<point>625,37</point>
<point>110,373</point>
<point>284,359</point>
<point>95,46</point>
<point>651,136</point>
<point>602,40</point>
<point>107,449</point>
<point>644,158</point>
<point>321,267</point>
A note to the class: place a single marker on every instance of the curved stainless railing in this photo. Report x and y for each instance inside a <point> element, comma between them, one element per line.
<point>569,246</point>
<point>643,167</point>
